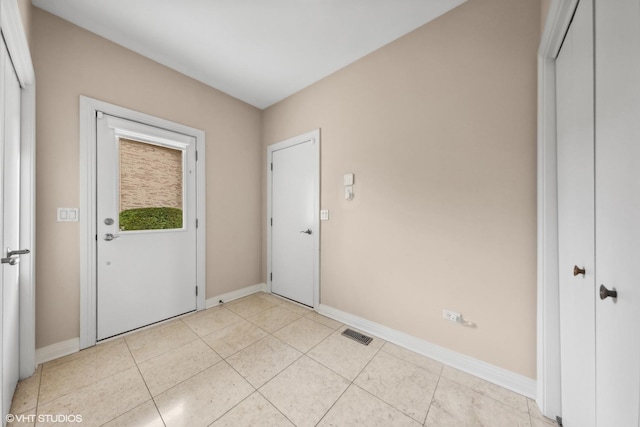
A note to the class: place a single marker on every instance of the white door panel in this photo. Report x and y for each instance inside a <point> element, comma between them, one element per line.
<point>576,233</point>
<point>618,210</point>
<point>294,230</point>
<point>144,275</point>
<point>10,225</point>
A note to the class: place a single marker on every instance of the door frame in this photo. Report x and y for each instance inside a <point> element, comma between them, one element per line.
<point>305,137</point>
<point>18,47</point>
<point>548,395</point>
<point>87,218</point>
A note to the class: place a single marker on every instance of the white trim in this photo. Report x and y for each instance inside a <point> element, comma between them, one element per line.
<point>233,295</point>
<point>311,135</point>
<point>548,336</point>
<point>16,41</point>
<point>499,376</point>
<point>88,109</point>
<point>57,350</point>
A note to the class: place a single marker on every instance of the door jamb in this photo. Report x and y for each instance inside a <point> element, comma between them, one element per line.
<point>548,395</point>
<point>314,136</point>
<point>88,279</point>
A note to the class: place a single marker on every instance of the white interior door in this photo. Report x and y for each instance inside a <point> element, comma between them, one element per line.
<point>10,226</point>
<point>576,232</point>
<point>294,230</point>
<point>146,225</point>
<point>618,211</point>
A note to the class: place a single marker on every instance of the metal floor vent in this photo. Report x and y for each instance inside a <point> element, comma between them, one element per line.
<point>357,336</point>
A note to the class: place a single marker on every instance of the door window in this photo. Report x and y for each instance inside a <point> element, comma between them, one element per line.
<point>151,186</point>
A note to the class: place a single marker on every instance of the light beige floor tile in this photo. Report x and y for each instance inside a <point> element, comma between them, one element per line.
<point>324,320</point>
<point>455,405</point>
<point>254,411</point>
<point>498,393</point>
<point>535,422</point>
<point>158,340</point>
<point>273,319</point>
<point>26,394</point>
<point>24,419</point>
<point>300,309</point>
<point>401,384</point>
<point>356,407</point>
<point>99,402</point>
<point>211,320</point>
<point>249,306</point>
<point>234,338</point>
<point>145,415</point>
<point>164,371</point>
<point>344,355</point>
<point>534,411</point>
<point>264,359</point>
<point>303,334</point>
<point>60,379</point>
<point>271,298</point>
<point>412,357</point>
<point>203,398</point>
<point>304,391</point>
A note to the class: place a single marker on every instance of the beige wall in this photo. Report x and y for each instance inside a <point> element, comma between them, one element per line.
<point>439,129</point>
<point>70,62</point>
<point>545,5</point>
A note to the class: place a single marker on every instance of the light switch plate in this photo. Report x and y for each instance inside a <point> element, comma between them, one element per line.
<point>348,179</point>
<point>324,215</point>
<point>67,214</point>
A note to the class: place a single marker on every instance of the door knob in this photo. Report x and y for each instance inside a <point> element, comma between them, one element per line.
<point>11,253</point>
<point>109,237</point>
<point>604,293</point>
<point>307,231</point>
<point>577,270</point>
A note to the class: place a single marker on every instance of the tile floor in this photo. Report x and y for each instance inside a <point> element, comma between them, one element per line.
<point>260,361</point>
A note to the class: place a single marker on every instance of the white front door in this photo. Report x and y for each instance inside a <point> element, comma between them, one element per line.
<point>576,233</point>
<point>293,219</point>
<point>9,226</point>
<point>617,215</point>
<point>146,225</point>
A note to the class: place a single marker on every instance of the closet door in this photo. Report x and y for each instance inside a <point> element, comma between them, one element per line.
<point>575,139</point>
<point>618,211</point>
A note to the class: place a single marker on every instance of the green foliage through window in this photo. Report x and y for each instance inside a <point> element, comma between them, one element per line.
<point>150,219</point>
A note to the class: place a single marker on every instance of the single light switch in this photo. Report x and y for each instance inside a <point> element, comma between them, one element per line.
<point>324,215</point>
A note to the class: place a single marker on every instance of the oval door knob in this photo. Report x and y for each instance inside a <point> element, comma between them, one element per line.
<point>577,270</point>
<point>604,293</point>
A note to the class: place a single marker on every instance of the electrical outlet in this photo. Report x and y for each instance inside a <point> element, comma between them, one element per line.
<point>452,316</point>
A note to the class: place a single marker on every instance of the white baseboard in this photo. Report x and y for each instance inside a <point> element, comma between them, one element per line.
<point>230,296</point>
<point>496,375</point>
<point>59,349</point>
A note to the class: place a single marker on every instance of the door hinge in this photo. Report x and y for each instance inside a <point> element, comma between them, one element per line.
<point>99,114</point>
<point>196,155</point>
<point>271,276</point>
<point>272,222</point>
<point>196,291</point>
<point>196,222</point>
<point>96,237</point>
<point>271,165</point>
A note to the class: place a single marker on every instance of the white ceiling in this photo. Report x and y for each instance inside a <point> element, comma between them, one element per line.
<point>259,51</point>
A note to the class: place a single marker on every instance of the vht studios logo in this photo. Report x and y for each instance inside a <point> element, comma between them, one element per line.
<point>43,418</point>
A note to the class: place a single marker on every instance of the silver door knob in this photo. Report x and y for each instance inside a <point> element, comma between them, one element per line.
<point>109,237</point>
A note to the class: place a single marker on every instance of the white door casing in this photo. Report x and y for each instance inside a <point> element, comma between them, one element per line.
<point>293,229</point>
<point>576,226</point>
<point>88,203</point>
<point>617,46</point>
<point>10,126</point>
